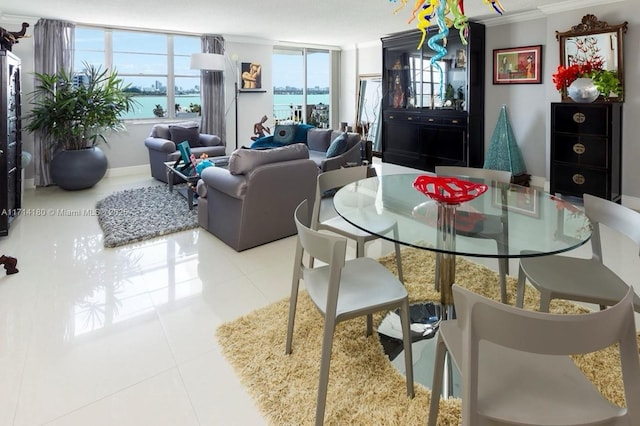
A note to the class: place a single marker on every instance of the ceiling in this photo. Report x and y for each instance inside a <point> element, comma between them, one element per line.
<point>325,22</point>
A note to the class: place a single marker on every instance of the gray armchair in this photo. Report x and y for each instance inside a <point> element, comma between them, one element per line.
<point>163,139</point>
<point>319,141</point>
<point>252,202</point>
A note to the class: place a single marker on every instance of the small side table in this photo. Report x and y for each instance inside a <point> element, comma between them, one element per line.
<point>187,174</point>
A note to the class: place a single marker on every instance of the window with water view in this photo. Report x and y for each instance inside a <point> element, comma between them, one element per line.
<point>301,80</point>
<point>156,66</point>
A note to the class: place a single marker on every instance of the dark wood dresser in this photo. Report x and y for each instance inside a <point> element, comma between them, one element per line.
<point>10,140</point>
<point>586,149</point>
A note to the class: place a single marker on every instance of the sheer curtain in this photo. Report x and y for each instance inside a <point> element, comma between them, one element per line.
<point>212,91</point>
<point>53,46</point>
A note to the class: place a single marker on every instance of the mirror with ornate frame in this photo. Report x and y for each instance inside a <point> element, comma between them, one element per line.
<point>369,109</point>
<point>594,40</point>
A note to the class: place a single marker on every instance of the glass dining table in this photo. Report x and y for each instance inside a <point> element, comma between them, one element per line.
<point>506,221</point>
<point>525,221</point>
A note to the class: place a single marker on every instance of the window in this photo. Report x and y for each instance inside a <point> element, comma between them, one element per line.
<point>301,82</point>
<point>427,80</point>
<point>156,66</point>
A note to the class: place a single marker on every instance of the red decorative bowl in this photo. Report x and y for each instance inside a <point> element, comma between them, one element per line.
<point>448,190</point>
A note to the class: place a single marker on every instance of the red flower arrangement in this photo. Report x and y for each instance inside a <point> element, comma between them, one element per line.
<point>565,76</point>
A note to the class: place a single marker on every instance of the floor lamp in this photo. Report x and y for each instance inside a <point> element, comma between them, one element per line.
<point>215,62</point>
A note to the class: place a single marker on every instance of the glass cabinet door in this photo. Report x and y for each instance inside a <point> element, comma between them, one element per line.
<point>414,82</point>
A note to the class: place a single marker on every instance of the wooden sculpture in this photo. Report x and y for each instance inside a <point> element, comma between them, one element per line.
<point>9,38</point>
<point>9,264</point>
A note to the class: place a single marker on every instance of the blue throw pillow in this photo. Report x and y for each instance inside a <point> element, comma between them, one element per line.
<point>265,142</point>
<point>338,146</point>
<point>284,134</point>
<point>301,132</point>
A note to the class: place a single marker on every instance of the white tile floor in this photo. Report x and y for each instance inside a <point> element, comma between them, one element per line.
<point>125,336</point>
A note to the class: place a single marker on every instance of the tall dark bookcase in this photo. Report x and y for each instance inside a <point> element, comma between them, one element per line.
<point>10,140</point>
<point>420,129</point>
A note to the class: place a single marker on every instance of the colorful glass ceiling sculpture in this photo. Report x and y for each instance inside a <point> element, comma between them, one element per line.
<point>446,14</point>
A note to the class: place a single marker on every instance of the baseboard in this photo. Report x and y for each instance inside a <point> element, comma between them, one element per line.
<point>29,183</point>
<point>631,202</point>
<point>127,171</point>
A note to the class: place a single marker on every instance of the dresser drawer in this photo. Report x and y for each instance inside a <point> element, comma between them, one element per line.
<point>581,119</point>
<point>583,149</point>
<point>574,180</point>
<point>402,117</point>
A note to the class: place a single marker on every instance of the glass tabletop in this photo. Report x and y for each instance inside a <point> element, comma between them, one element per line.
<point>529,222</point>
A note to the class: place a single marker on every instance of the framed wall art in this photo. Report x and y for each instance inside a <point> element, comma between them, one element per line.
<point>251,74</point>
<point>518,65</point>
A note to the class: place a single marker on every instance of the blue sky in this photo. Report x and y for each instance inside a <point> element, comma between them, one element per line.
<point>287,70</point>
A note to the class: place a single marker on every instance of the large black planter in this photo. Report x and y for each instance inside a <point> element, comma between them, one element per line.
<point>78,169</point>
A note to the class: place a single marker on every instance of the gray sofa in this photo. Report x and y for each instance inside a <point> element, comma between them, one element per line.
<point>319,140</point>
<point>251,202</point>
<point>163,139</point>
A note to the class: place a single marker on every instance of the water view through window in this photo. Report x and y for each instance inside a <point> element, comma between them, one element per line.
<point>156,66</point>
<point>289,79</point>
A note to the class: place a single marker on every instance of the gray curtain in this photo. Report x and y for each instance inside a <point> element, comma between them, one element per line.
<point>212,91</point>
<point>53,46</point>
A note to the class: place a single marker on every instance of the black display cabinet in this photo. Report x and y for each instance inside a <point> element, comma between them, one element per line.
<point>422,127</point>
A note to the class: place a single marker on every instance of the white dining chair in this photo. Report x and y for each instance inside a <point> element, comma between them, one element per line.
<point>494,227</point>
<point>583,280</point>
<point>516,369</point>
<point>335,179</point>
<point>342,290</point>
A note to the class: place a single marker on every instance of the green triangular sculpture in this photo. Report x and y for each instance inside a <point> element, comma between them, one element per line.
<point>504,153</point>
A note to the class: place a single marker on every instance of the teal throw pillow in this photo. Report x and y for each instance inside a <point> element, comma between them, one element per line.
<point>338,146</point>
<point>284,134</point>
<point>265,142</point>
<point>301,132</point>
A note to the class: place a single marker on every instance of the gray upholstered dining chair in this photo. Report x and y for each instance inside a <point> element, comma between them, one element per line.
<point>338,178</point>
<point>494,227</point>
<point>516,368</point>
<point>342,290</point>
<point>583,280</point>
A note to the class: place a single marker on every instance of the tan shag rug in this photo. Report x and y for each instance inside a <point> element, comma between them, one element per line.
<point>364,388</point>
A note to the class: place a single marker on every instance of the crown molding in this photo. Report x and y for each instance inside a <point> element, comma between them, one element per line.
<point>16,19</point>
<point>566,6</point>
<point>277,43</point>
<point>367,44</point>
<point>543,11</point>
<point>512,19</point>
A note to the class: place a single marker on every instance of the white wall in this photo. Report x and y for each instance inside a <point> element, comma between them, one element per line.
<point>526,103</point>
<point>251,106</point>
<point>357,60</point>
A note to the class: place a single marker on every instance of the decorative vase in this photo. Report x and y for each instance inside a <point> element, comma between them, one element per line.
<point>78,169</point>
<point>583,90</point>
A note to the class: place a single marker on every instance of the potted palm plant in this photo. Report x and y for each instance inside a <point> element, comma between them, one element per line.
<point>75,112</point>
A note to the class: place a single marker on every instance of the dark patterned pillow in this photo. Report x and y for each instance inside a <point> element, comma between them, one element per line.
<point>185,132</point>
<point>284,133</point>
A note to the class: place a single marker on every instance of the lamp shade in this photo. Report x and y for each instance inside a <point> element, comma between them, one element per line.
<point>207,61</point>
